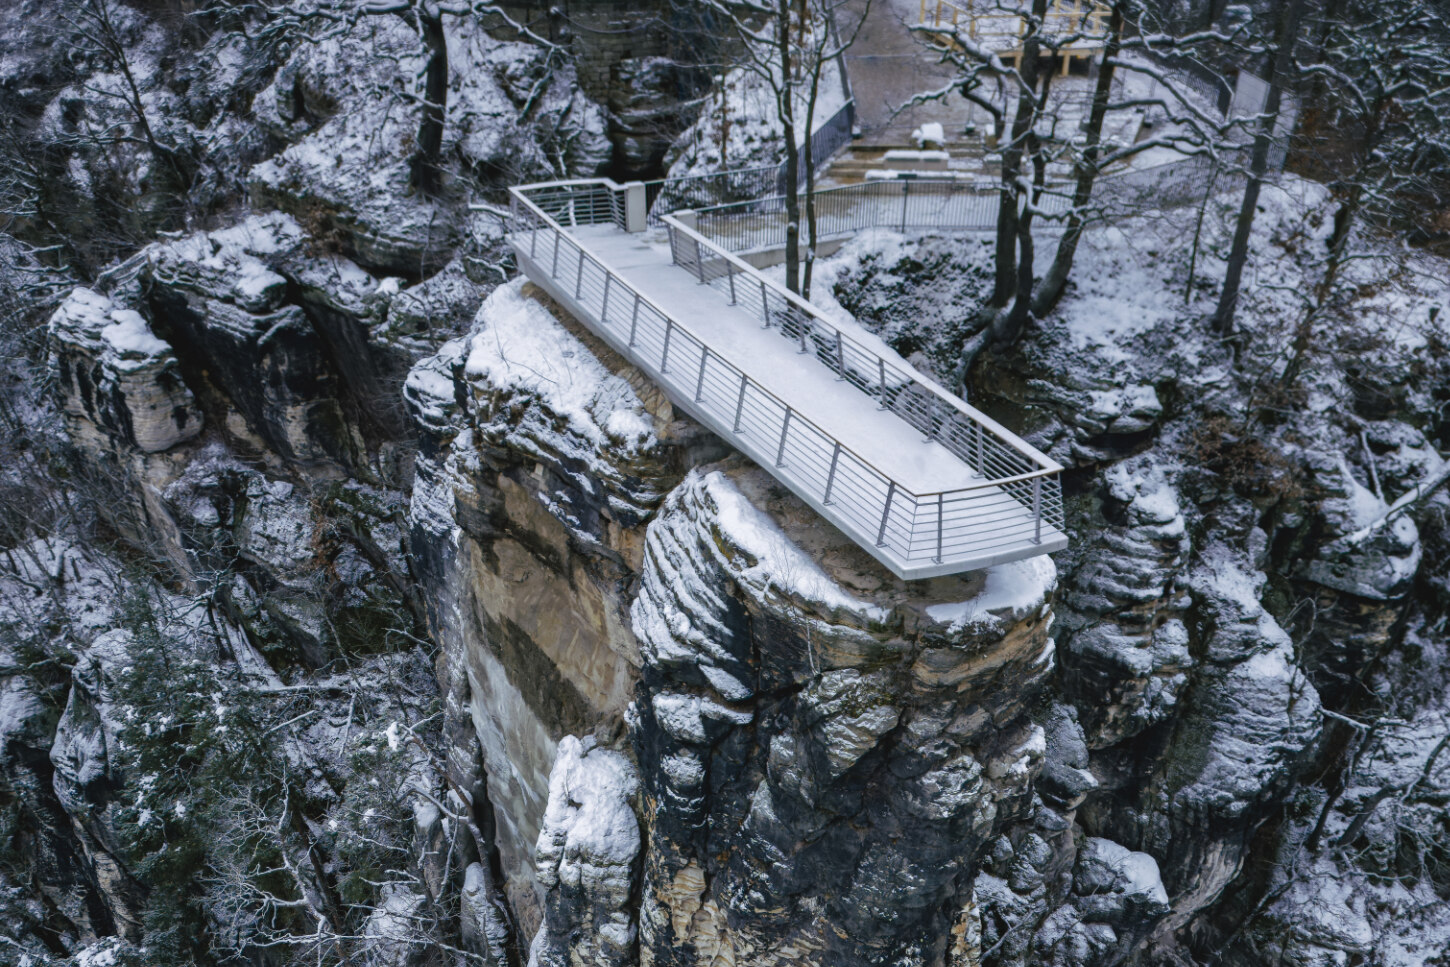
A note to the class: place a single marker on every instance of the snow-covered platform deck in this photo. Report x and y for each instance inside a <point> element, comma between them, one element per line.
<point>925,483</point>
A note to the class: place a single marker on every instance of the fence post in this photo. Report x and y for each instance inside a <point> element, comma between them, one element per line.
<point>604,308</point>
<point>831,475</point>
<point>881,376</point>
<point>700,379</point>
<point>634,320</point>
<point>840,356</point>
<point>784,429</point>
<point>885,512</point>
<point>905,193</point>
<point>804,321</point>
<point>740,403</point>
<point>579,276</point>
<point>555,271</point>
<point>674,256</point>
<point>665,355</point>
<point>981,463</point>
<point>764,305</point>
<point>533,235</point>
<point>635,209</point>
<point>1037,508</point>
<point>699,261</point>
<point>939,513</point>
<point>730,271</point>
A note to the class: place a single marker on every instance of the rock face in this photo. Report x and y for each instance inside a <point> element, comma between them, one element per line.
<point>824,751</point>
<point>538,465</point>
<point>586,857</point>
<point>1125,646</point>
<point>780,694</point>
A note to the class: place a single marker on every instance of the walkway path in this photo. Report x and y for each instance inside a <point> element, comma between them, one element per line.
<point>923,482</point>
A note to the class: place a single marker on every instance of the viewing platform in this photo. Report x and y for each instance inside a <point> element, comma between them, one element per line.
<point>1071,30</point>
<point>922,481</point>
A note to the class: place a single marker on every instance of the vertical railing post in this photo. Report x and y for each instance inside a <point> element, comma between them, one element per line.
<point>533,235</point>
<point>604,308</point>
<point>634,321</point>
<point>740,403</point>
<point>730,271</point>
<point>554,273</point>
<point>831,474</point>
<point>840,356</point>
<point>700,379</point>
<point>579,276</point>
<point>885,512</point>
<point>665,355</point>
<point>764,305</point>
<point>1037,508</point>
<point>905,193</point>
<point>674,255</point>
<point>699,262</point>
<point>939,515</point>
<point>802,321</point>
<point>981,462</point>
<point>881,381</point>
<point>784,429</point>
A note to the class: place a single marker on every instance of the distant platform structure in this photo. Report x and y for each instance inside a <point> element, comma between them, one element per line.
<point>1077,30</point>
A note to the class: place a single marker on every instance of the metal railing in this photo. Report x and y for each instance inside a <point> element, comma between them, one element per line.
<point>698,191</point>
<point>997,27</point>
<point>1018,503</point>
<point>825,141</point>
<point>900,205</point>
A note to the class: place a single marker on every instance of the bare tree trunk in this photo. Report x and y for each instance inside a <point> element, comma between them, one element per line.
<point>1222,319</point>
<point>426,174</point>
<point>1338,242</point>
<point>1054,284</point>
<point>1012,154</point>
<point>786,95</point>
<point>809,160</point>
<point>1007,327</point>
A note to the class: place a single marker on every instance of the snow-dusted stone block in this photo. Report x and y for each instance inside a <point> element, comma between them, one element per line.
<point>120,385</point>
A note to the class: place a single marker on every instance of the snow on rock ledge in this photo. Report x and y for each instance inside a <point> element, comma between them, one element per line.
<point>119,383</point>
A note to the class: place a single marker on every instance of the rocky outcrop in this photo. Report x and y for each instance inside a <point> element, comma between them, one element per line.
<point>121,386</point>
<point>797,702</point>
<point>1125,651</point>
<point>541,457</point>
<point>586,856</point>
<point>514,112</point>
<point>1358,574</point>
<point>590,572</point>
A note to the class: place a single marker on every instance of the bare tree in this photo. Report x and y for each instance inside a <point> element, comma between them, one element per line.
<point>1385,99</point>
<point>1015,89</point>
<point>426,18</point>
<point>1286,36</point>
<point>791,46</point>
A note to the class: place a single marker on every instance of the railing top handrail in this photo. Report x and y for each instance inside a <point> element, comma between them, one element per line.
<point>904,369</point>
<point>518,192</point>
